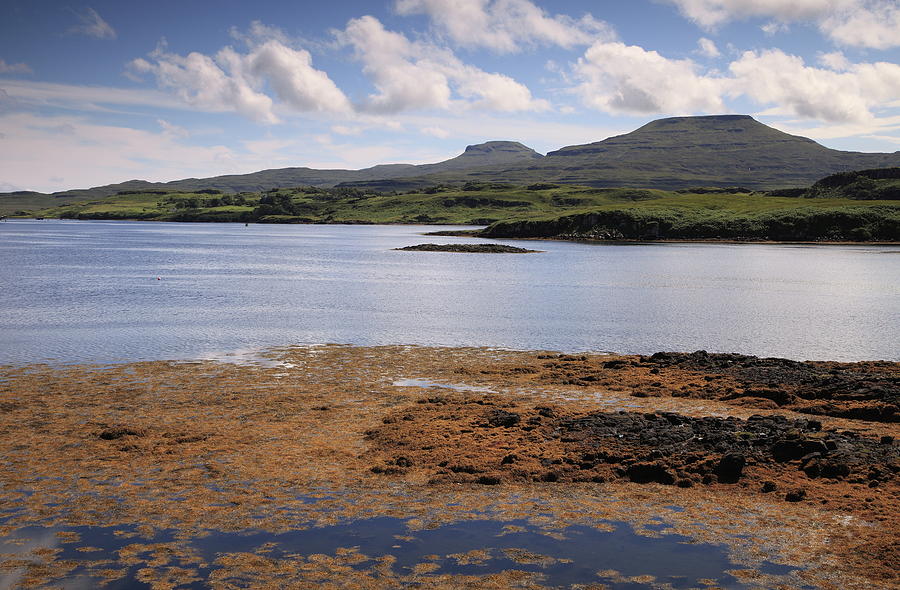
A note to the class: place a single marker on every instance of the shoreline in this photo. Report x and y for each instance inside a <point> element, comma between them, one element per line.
<point>321,437</point>
<point>473,234</point>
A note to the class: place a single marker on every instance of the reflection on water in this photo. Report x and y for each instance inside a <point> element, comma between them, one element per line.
<point>614,555</point>
<point>88,291</point>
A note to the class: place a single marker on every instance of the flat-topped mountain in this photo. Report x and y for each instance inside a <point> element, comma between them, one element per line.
<point>679,152</point>
<point>672,153</point>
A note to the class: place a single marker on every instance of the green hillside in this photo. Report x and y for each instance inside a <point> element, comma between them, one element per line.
<point>836,208</point>
<point>674,153</point>
<point>670,154</point>
<point>852,206</point>
<point>491,153</point>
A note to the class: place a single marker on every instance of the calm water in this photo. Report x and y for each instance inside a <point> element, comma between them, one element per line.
<point>575,558</point>
<point>88,291</point>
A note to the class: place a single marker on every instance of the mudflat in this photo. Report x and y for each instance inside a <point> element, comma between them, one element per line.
<point>771,461</point>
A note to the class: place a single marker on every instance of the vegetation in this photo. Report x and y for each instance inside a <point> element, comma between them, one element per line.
<point>857,206</point>
<point>673,154</point>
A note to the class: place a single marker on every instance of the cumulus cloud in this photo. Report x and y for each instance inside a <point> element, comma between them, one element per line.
<point>200,81</point>
<point>619,78</point>
<point>835,60</point>
<point>506,25</point>
<point>875,25</point>
<point>91,24</point>
<point>416,75</point>
<point>774,77</point>
<point>234,81</point>
<point>860,23</point>
<point>707,48</point>
<point>19,68</point>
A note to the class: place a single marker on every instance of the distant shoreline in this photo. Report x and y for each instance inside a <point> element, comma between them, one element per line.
<point>473,233</point>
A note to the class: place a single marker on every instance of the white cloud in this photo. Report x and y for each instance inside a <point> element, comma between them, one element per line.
<point>835,60</point>
<point>90,23</point>
<point>875,25</point>
<point>860,23</point>
<point>616,78</point>
<point>876,129</point>
<point>19,68</point>
<point>199,81</point>
<point>87,98</point>
<point>506,25</point>
<point>259,32</point>
<point>172,129</point>
<point>49,153</point>
<point>294,80</point>
<point>619,78</point>
<point>708,48</point>
<point>774,77</point>
<point>772,28</point>
<point>711,13</point>
<point>420,76</point>
<point>235,81</point>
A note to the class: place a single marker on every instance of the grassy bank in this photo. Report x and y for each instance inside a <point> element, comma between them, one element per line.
<point>851,207</point>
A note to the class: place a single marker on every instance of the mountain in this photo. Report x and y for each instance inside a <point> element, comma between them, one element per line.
<point>675,153</point>
<point>492,153</point>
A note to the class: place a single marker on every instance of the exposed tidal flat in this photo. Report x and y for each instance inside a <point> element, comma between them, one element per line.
<point>442,464</point>
<point>326,466</point>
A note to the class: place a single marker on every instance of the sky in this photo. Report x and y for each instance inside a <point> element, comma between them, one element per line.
<point>109,91</point>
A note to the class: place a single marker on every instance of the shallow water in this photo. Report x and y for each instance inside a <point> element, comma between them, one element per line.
<point>579,555</point>
<point>93,291</point>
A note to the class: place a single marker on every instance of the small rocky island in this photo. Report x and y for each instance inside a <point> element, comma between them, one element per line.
<point>468,248</point>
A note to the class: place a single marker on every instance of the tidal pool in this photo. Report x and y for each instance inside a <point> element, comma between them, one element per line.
<point>379,550</point>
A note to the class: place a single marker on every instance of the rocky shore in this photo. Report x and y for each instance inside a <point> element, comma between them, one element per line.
<point>467,248</point>
<point>776,460</point>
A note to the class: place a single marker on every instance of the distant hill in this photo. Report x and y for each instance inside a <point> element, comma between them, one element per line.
<point>491,153</point>
<point>676,153</point>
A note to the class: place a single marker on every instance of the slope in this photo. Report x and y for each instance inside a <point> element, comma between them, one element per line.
<point>675,153</point>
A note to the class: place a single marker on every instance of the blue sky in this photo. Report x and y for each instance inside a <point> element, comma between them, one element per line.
<point>109,91</point>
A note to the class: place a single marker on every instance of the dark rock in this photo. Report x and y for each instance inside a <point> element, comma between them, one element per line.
<point>834,470</point>
<point>509,459</point>
<point>468,248</point>
<point>887,440</point>
<point>402,462</point>
<point>649,472</point>
<point>787,450</point>
<point>684,483</point>
<point>616,364</point>
<point>731,467</point>
<point>488,480</point>
<point>503,418</point>
<point>768,486</point>
<point>795,495</point>
<point>118,432</point>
